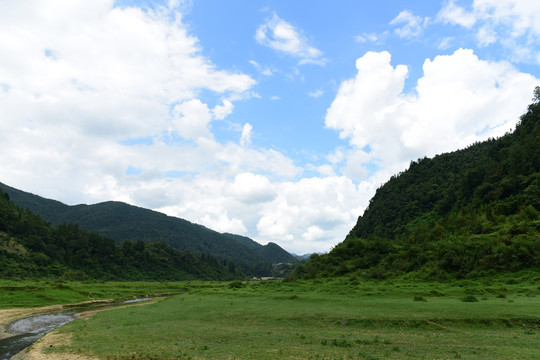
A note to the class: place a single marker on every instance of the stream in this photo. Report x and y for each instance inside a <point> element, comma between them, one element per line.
<point>28,330</point>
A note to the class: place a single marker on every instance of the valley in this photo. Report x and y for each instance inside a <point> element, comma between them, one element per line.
<point>340,318</point>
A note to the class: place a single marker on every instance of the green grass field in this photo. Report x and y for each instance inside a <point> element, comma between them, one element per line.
<point>339,319</point>
<point>25,293</point>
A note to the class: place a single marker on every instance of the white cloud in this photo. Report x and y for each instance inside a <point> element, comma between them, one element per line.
<point>326,170</point>
<point>445,43</point>
<point>251,188</point>
<point>191,119</point>
<point>280,35</point>
<point>371,37</point>
<point>374,91</point>
<point>245,138</point>
<point>265,70</point>
<point>412,25</point>
<point>220,112</point>
<point>314,233</point>
<point>460,99</point>
<point>521,16</point>
<point>201,199</point>
<point>355,167</point>
<point>313,212</point>
<point>114,67</point>
<point>454,14</point>
<point>316,94</point>
<point>486,36</point>
<point>504,21</point>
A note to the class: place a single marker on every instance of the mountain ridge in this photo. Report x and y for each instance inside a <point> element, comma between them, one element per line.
<point>32,248</point>
<point>121,221</point>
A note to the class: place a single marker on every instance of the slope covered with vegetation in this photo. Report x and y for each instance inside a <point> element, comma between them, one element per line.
<point>271,251</point>
<point>467,213</point>
<point>32,248</point>
<point>121,221</point>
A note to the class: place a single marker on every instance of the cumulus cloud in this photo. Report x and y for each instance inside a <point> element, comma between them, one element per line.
<point>283,37</point>
<point>314,212</point>
<point>374,90</point>
<point>460,99</point>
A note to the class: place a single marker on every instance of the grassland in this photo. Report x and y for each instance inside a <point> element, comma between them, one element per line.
<point>337,319</point>
<point>25,293</point>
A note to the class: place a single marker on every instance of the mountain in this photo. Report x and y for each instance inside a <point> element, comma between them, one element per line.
<point>271,251</point>
<point>305,256</point>
<point>121,221</point>
<point>468,213</point>
<point>33,248</point>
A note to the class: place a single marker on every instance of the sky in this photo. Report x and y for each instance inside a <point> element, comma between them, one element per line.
<point>276,120</point>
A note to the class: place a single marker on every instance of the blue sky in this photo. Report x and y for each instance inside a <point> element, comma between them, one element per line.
<point>276,120</point>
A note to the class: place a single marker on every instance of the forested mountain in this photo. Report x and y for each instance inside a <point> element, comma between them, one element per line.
<point>271,251</point>
<point>462,214</point>
<point>32,248</point>
<point>121,221</point>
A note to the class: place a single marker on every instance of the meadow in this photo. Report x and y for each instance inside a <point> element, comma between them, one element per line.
<point>321,319</point>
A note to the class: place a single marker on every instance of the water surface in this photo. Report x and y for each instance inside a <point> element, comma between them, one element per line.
<point>28,330</point>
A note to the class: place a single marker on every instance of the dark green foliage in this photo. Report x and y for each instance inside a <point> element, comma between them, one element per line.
<point>469,298</point>
<point>121,221</point>
<point>469,213</point>
<point>236,285</point>
<point>32,248</point>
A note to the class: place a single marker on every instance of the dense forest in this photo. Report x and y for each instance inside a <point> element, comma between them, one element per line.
<point>468,213</point>
<point>120,221</point>
<point>33,248</point>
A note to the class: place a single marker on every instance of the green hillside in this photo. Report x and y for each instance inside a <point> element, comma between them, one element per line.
<point>271,251</point>
<point>121,221</point>
<point>32,248</point>
<point>468,213</point>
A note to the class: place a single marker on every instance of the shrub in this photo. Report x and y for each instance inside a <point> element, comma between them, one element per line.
<point>470,298</point>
